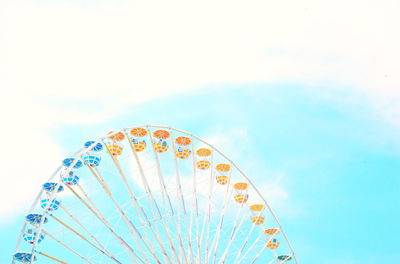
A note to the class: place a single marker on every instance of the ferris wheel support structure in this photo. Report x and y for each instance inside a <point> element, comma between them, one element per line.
<point>184,219</point>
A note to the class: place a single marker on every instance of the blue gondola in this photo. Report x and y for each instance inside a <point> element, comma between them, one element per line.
<point>23,257</point>
<point>68,162</point>
<point>98,146</point>
<point>53,205</point>
<point>50,186</point>
<point>92,161</point>
<point>35,218</point>
<point>30,236</point>
<point>284,258</point>
<point>71,178</point>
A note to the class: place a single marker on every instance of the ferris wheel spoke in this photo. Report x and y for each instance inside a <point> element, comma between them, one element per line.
<point>131,227</point>
<point>160,176</point>
<point>227,195</point>
<point>51,257</point>
<point>207,216</point>
<point>194,210</point>
<point>218,236</point>
<point>176,223</point>
<point>170,210</point>
<point>251,247</point>
<point>45,211</point>
<point>180,198</point>
<point>131,252</point>
<point>85,239</point>
<point>149,193</point>
<point>132,197</point>
<point>258,255</point>
<point>234,231</point>
<point>90,201</point>
<point>166,194</point>
<point>261,250</point>
<point>164,225</point>
<point>144,180</point>
<point>178,177</point>
<point>246,239</point>
<point>19,240</point>
<point>150,199</point>
<point>139,210</point>
<point>169,236</point>
<point>85,229</point>
<point>30,211</point>
<point>66,246</point>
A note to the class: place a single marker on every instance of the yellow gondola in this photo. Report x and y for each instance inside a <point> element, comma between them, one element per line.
<point>203,164</point>
<point>222,180</point>
<point>273,244</point>
<point>161,146</point>
<point>139,146</point>
<point>258,220</point>
<point>241,195</point>
<point>114,149</point>
<point>241,198</point>
<point>182,154</point>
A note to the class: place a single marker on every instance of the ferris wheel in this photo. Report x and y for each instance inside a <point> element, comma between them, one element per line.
<point>150,194</point>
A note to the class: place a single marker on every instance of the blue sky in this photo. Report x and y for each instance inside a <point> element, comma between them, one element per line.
<point>305,99</point>
<point>336,163</point>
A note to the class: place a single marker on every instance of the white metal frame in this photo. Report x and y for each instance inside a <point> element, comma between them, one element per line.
<point>206,225</point>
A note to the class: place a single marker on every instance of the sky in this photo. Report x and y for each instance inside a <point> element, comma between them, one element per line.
<point>306,92</point>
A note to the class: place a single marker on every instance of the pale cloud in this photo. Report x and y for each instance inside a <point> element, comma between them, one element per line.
<point>74,62</point>
<point>236,144</point>
<point>107,51</point>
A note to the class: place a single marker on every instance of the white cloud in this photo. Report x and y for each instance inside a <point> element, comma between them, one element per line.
<point>68,61</point>
<point>234,142</point>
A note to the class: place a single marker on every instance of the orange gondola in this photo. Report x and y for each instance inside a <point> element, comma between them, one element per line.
<point>183,141</point>
<point>223,167</point>
<point>116,137</point>
<point>138,132</point>
<point>257,207</point>
<point>203,152</point>
<point>161,134</point>
<point>240,186</point>
<point>258,220</point>
<point>271,231</point>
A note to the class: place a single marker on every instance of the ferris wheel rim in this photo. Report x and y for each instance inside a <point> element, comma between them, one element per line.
<point>82,151</point>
